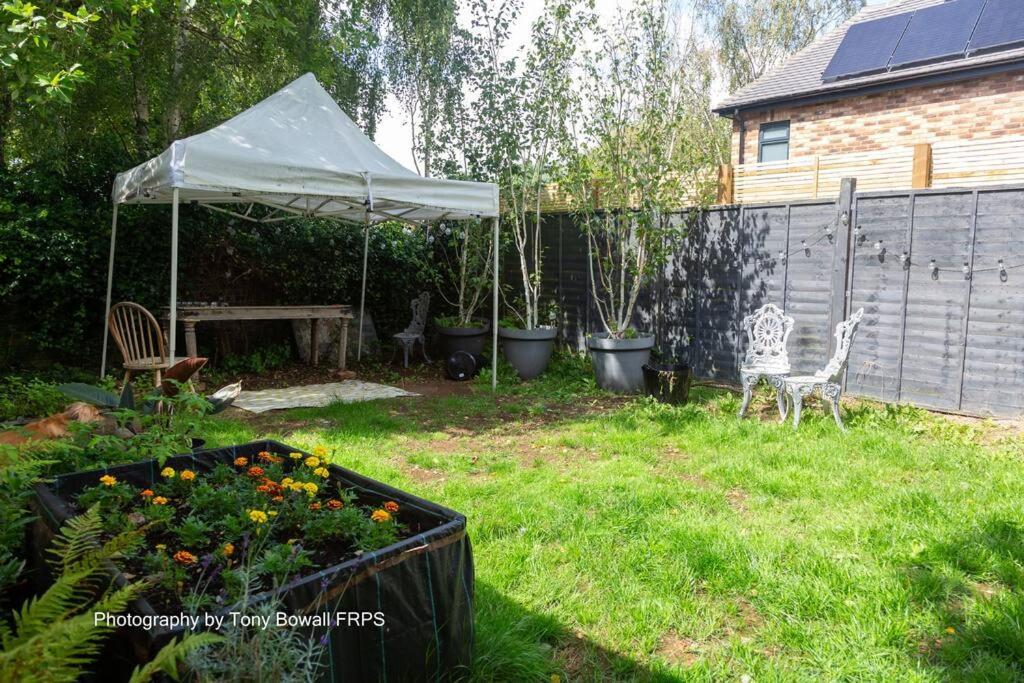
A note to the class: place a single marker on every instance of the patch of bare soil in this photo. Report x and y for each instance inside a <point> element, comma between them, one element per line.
<point>677,649</point>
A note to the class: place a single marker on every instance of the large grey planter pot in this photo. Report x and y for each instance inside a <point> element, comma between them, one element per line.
<point>528,350</point>
<point>468,339</point>
<point>619,363</point>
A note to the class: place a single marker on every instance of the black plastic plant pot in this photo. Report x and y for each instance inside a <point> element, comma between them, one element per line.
<point>668,383</point>
<point>468,339</point>
<point>422,585</point>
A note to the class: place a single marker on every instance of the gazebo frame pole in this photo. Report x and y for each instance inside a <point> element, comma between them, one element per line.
<point>173,322</point>
<point>362,296</point>
<point>494,323</point>
<point>110,284</point>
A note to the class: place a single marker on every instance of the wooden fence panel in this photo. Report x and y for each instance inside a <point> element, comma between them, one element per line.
<point>993,379</point>
<point>936,306</point>
<point>809,286</point>
<point>879,287</point>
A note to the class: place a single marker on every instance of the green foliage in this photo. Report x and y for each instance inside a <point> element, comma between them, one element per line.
<point>259,361</point>
<point>171,656</point>
<point>20,397</point>
<point>18,472</point>
<point>54,636</point>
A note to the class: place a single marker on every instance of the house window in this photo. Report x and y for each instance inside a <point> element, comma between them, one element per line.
<point>773,141</point>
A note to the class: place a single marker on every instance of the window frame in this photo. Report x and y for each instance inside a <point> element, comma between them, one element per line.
<point>762,143</point>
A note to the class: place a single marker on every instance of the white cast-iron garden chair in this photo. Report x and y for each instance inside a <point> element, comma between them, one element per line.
<point>768,330</point>
<point>829,379</point>
<point>414,332</point>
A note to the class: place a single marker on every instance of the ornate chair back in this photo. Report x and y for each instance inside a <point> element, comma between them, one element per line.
<point>138,336</point>
<point>768,330</point>
<point>845,332</point>
<point>420,306</point>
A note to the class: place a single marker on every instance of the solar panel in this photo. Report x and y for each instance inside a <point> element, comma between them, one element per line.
<point>938,32</point>
<point>867,46</point>
<point>1001,26</point>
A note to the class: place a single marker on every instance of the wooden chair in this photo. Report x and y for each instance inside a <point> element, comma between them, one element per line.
<point>140,340</point>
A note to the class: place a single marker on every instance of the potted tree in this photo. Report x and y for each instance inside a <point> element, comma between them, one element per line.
<point>538,101</point>
<point>623,181</point>
<point>464,253</point>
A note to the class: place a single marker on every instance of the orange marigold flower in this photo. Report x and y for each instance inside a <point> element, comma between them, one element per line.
<point>264,456</point>
<point>159,500</point>
<point>241,462</point>
<point>255,471</point>
<point>184,557</point>
<point>335,504</point>
<point>391,506</point>
<point>188,475</point>
<point>228,549</point>
<point>381,516</point>
<point>263,488</point>
<point>146,493</point>
<point>277,499</point>
<point>314,506</point>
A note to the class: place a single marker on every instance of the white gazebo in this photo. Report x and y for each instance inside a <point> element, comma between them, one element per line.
<point>297,153</point>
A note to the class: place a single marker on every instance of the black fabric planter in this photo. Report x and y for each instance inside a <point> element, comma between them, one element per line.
<point>668,383</point>
<point>423,585</point>
<point>468,339</point>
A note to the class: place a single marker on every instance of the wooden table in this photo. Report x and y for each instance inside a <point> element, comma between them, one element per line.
<point>189,316</point>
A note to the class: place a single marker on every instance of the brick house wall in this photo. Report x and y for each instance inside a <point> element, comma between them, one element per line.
<point>988,107</point>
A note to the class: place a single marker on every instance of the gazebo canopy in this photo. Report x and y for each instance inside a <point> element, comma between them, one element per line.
<point>298,152</point>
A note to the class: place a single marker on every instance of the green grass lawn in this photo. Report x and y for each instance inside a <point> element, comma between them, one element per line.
<point>623,540</point>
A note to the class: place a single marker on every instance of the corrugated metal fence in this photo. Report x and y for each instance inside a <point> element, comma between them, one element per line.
<point>937,337</point>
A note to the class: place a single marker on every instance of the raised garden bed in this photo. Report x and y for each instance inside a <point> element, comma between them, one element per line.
<point>365,548</point>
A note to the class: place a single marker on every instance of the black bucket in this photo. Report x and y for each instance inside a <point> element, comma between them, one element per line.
<point>668,383</point>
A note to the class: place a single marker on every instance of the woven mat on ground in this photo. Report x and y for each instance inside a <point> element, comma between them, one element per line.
<point>315,395</point>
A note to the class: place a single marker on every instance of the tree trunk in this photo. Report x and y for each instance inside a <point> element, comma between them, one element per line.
<point>6,111</point>
<point>177,67</point>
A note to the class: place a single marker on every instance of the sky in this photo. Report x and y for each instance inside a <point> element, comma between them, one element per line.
<point>394,135</point>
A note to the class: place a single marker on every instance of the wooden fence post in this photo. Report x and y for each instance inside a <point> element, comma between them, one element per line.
<point>840,257</point>
<point>725,184</point>
<point>922,175</point>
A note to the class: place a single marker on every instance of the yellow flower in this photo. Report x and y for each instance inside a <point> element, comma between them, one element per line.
<point>168,472</point>
<point>311,488</point>
<point>295,455</point>
<point>272,513</point>
<point>320,451</point>
<point>950,630</point>
<point>159,500</point>
<point>258,516</point>
<point>287,481</point>
<point>312,461</point>
<point>188,475</point>
<point>322,472</point>
<point>161,546</point>
<point>108,480</point>
<point>229,549</point>
<point>381,516</point>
